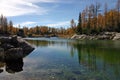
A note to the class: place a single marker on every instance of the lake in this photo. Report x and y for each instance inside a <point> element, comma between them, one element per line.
<point>64,59</point>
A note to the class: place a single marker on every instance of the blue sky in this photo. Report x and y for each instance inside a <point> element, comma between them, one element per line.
<point>52,13</point>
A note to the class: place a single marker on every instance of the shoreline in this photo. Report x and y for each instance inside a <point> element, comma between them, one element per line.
<point>15,47</point>
<point>101,36</point>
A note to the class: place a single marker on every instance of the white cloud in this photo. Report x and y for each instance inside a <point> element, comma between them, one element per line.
<point>60,24</point>
<point>28,23</point>
<point>44,1</point>
<point>22,7</point>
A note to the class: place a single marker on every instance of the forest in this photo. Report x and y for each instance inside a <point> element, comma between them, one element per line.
<point>92,20</point>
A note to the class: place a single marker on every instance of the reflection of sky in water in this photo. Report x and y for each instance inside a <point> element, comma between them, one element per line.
<point>70,60</point>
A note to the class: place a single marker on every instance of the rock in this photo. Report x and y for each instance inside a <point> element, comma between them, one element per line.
<point>81,37</point>
<point>101,36</point>
<point>77,72</point>
<point>14,44</point>
<point>27,48</point>
<point>14,53</point>
<point>1,70</point>
<point>7,46</point>
<point>2,55</point>
<point>117,36</point>
<point>5,40</point>
<point>74,36</point>
<point>14,41</point>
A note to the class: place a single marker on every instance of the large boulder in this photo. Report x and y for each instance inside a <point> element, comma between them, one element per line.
<point>14,53</point>
<point>15,45</point>
<point>27,48</point>
<point>5,40</point>
<point>6,46</point>
<point>14,41</point>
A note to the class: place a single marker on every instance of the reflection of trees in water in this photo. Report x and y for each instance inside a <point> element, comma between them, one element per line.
<point>100,57</point>
<point>11,64</point>
<point>45,43</point>
<point>97,56</point>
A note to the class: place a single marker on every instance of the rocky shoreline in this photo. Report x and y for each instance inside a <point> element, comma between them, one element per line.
<point>101,36</point>
<point>12,51</point>
<point>14,47</point>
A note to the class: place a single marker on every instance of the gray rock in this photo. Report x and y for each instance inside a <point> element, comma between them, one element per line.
<point>5,40</point>
<point>7,46</point>
<point>117,36</point>
<point>14,53</point>
<point>101,36</point>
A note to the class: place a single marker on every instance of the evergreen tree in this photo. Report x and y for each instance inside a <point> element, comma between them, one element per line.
<point>79,26</point>
<point>5,25</point>
<point>11,27</point>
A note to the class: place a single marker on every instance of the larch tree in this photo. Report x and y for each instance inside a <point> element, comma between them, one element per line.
<point>73,25</point>
<point>11,27</point>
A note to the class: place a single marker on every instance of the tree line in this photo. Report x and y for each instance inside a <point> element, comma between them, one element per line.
<point>6,28</point>
<point>93,21</point>
<point>45,30</point>
<point>90,21</point>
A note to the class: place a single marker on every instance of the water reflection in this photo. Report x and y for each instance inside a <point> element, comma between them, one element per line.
<point>11,62</point>
<point>14,65</point>
<point>99,57</point>
<point>45,43</point>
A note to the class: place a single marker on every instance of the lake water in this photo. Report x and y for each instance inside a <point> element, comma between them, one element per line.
<point>62,59</point>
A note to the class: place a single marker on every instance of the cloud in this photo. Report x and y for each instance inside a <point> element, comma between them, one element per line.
<point>60,24</point>
<point>28,23</point>
<point>23,7</point>
<point>42,1</point>
<point>64,24</point>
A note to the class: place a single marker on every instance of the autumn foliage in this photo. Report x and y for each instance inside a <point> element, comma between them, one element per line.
<point>93,21</point>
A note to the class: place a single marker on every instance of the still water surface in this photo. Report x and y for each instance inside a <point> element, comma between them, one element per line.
<point>62,59</point>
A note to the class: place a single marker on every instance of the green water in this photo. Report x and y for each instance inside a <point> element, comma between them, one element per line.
<point>62,59</point>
